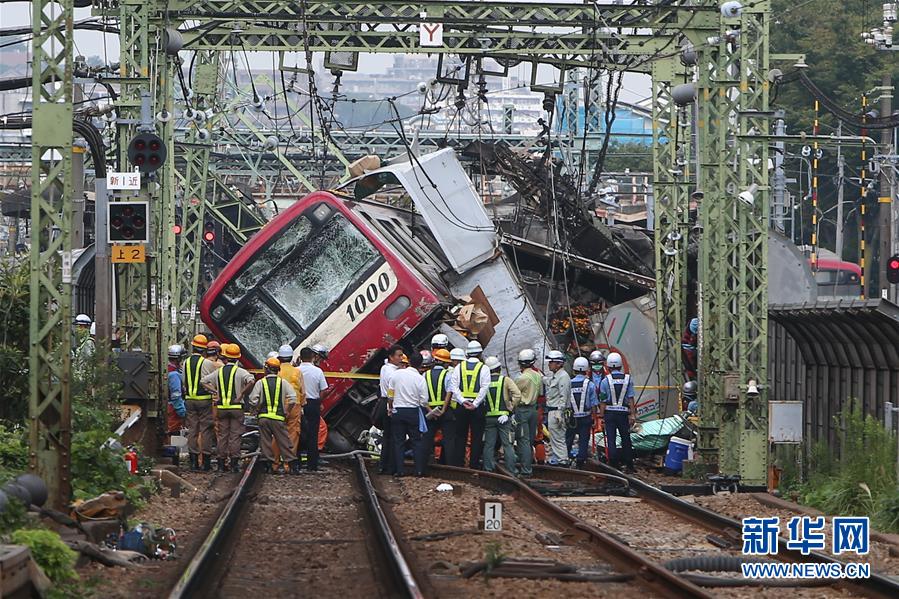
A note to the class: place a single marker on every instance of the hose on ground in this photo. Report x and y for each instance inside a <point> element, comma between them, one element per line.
<point>732,563</point>
<point>714,563</point>
<point>704,580</point>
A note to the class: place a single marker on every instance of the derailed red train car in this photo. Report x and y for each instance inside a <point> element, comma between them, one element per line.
<point>357,275</point>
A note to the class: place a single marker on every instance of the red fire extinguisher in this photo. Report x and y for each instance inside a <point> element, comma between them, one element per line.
<point>131,460</point>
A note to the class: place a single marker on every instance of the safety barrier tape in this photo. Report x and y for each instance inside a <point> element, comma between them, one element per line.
<point>360,376</point>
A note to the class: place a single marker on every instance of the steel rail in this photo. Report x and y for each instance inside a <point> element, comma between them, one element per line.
<point>196,581</point>
<point>647,572</point>
<point>194,577</point>
<point>877,586</point>
<point>400,571</point>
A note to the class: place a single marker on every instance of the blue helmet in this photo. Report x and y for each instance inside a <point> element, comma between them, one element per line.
<point>694,325</point>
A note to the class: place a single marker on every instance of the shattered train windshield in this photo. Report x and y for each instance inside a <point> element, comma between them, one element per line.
<point>312,281</point>
<point>296,281</point>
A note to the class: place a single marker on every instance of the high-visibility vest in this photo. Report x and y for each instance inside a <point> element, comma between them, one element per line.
<point>470,380</point>
<point>436,389</point>
<point>495,397</point>
<point>618,391</point>
<point>579,398</point>
<point>274,408</point>
<point>226,388</point>
<point>193,368</point>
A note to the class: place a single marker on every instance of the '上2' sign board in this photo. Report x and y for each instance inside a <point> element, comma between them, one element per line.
<point>491,515</point>
<point>128,254</point>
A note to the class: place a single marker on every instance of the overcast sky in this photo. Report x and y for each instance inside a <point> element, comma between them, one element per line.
<point>95,43</point>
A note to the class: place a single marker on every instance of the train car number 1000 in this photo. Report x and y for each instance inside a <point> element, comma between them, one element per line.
<point>368,296</point>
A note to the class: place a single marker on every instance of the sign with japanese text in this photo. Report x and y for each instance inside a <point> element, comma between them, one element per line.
<point>128,254</point>
<point>119,181</point>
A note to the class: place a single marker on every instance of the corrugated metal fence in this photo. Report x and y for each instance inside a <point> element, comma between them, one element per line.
<point>829,352</point>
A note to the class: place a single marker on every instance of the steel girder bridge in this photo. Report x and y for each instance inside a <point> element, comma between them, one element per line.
<point>728,64</point>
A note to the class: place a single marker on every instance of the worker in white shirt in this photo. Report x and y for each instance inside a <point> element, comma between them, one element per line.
<point>381,416</point>
<point>408,393</point>
<point>315,383</point>
<point>470,382</point>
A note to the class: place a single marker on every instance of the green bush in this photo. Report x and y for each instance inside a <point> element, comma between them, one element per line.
<point>13,452</point>
<point>887,515</point>
<point>51,554</point>
<point>862,482</point>
<point>13,517</point>
<point>14,295</point>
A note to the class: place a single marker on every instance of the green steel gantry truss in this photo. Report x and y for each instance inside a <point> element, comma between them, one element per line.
<point>158,300</point>
<point>49,360</point>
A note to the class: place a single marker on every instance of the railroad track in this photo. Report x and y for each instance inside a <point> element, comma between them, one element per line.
<point>618,562</point>
<point>711,530</point>
<point>308,535</point>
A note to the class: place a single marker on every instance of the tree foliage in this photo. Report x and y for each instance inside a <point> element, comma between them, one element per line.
<point>839,61</point>
<point>14,296</point>
<point>844,68</point>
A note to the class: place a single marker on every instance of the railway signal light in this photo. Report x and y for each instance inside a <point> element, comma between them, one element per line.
<point>177,229</point>
<point>128,222</point>
<point>209,232</point>
<point>893,269</point>
<point>147,152</point>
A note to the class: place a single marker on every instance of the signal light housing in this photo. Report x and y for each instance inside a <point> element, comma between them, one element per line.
<point>209,232</point>
<point>893,269</point>
<point>128,222</point>
<point>147,152</point>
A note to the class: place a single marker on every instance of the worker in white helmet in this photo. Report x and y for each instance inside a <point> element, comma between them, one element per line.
<point>176,410</point>
<point>439,341</point>
<point>618,411</point>
<point>583,404</point>
<point>85,345</point>
<point>557,385</point>
<point>470,382</point>
<point>502,398</point>
<point>530,384</point>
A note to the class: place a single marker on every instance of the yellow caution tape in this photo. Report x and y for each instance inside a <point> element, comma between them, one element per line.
<point>361,376</point>
<point>337,375</point>
<point>353,375</point>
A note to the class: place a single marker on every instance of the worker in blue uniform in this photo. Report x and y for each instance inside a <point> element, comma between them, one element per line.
<point>583,402</point>
<point>618,411</point>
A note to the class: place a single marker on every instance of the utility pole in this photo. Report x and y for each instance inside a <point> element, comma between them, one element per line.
<point>841,163</point>
<point>885,200</point>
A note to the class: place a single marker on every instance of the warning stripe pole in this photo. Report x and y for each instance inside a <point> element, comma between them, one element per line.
<point>864,193</point>
<point>814,259</point>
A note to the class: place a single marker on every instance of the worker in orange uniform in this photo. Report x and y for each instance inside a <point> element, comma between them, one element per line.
<point>199,404</point>
<point>292,375</point>
<point>229,385</point>
<point>274,396</point>
<point>213,353</point>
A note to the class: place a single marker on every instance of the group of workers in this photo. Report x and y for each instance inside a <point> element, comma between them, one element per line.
<point>477,408</point>
<point>211,390</point>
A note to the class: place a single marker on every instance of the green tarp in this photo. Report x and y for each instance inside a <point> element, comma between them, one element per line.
<point>652,435</point>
